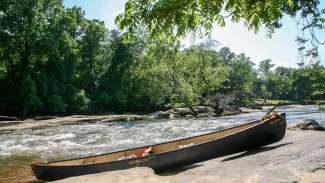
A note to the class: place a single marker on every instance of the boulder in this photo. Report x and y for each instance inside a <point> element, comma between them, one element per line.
<point>159,115</point>
<point>307,124</point>
<point>181,111</point>
<point>203,115</point>
<point>173,116</point>
<point>203,109</point>
<point>230,112</point>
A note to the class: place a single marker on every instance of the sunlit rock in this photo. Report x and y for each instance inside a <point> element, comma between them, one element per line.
<point>307,124</point>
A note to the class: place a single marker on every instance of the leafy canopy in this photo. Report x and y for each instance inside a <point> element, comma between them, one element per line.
<point>179,17</point>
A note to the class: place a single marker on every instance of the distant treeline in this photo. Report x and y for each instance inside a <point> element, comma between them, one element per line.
<point>55,61</point>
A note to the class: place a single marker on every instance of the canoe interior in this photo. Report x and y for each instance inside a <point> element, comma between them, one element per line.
<point>156,149</point>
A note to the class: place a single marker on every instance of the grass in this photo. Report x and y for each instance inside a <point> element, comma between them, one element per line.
<point>260,102</point>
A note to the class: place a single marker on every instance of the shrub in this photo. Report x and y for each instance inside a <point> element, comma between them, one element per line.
<point>56,104</point>
<point>80,102</point>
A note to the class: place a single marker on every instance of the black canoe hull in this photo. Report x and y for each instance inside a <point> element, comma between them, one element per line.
<point>257,136</point>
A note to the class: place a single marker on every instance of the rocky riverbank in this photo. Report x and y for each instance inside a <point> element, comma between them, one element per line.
<point>8,124</point>
<point>299,157</point>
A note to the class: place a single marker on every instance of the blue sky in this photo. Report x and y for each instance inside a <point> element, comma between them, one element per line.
<point>281,48</point>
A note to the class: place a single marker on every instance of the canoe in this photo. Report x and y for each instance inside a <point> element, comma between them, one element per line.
<point>171,154</point>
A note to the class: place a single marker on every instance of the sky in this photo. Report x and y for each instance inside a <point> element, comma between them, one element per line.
<point>281,48</point>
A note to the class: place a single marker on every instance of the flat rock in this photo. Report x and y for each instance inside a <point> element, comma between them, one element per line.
<point>159,115</point>
<point>299,157</point>
<point>38,118</point>
<point>250,109</point>
<point>9,123</point>
<point>8,118</point>
<point>31,123</point>
<point>136,175</point>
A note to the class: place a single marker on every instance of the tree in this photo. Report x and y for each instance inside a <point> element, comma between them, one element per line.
<point>62,51</point>
<point>301,84</point>
<point>278,87</point>
<point>94,58</point>
<point>225,54</point>
<point>22,28</point>
<point>265,67</point>
<point>197,74</point>
<point>318,84</point>
<point>80,102</point>
<point>116,80</point>
<point>178,17</point>
<point>55,60</point>
<point>55,104</point>
<point>29,99</point>
<point>283,71</point>
<point>42,47</point>
<point>242,77</point>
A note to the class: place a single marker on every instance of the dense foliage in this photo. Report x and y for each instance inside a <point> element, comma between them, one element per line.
<point>183,16</point>
<point>55,61</point>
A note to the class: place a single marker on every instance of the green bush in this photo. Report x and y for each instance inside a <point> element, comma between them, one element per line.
<point>80,102</point>
<point>101,101</point>
<point>29,98</point>
<point>55,104</point>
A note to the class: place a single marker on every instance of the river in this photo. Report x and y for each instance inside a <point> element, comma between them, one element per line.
<point>18,148</point>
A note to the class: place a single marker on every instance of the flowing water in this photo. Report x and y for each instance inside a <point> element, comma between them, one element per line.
<point>18,148</point>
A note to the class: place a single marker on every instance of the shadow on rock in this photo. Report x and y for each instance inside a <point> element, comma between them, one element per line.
<point>255,151</point>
